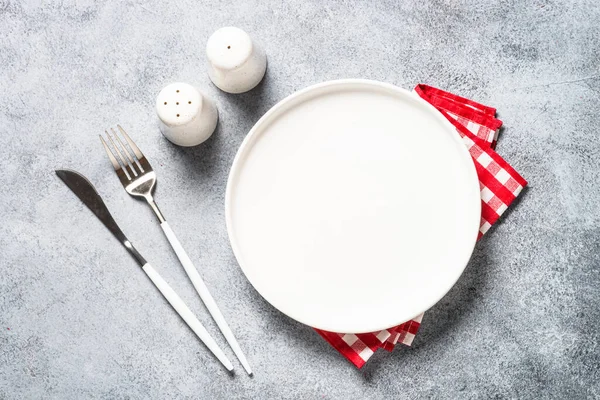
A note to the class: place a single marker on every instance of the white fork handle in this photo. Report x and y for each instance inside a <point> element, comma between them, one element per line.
<point>186,314</point>
<point>205,295</point>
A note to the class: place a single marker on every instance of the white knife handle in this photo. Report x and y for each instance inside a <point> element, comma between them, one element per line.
<point>205,295</point>
<point>186,314</point>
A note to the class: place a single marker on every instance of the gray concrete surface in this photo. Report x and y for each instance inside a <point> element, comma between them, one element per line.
<point>78,319</point>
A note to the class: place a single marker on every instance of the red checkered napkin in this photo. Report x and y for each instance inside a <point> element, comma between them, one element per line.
<point>500,185</point>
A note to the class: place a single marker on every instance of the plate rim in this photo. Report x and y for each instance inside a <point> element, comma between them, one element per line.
<point>272,113</point>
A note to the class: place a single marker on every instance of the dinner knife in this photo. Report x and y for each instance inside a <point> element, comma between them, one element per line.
<point>86,192</point>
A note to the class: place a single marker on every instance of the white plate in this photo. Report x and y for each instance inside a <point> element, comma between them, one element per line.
<point>353,206</point>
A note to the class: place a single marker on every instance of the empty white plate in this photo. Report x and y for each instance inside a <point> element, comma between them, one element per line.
<point>353,206</point>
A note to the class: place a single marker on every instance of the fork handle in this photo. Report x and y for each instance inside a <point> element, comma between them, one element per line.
<point>186,314</point>
<point>205,295</point>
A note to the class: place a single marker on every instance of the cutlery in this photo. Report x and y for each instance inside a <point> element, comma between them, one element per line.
<point>139,179</point>
<point>86,192</point>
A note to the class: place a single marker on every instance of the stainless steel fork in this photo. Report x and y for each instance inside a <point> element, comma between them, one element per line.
<point>138,179</point>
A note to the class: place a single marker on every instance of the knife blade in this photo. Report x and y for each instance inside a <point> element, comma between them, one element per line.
<point>88,194</point>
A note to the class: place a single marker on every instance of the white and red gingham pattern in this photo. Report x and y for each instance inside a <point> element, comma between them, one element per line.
<point>358,348</point>
<point>480,120</point>
<point>500,185</point>
<point>481,131</point>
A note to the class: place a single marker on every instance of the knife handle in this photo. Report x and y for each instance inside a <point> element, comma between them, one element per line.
<point>186,314</point>
<point>205,295</point>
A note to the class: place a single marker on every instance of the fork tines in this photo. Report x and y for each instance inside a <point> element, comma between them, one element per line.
<point>129,159</point>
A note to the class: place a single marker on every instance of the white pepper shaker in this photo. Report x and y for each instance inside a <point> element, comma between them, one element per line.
<point>186,116</point>
<point>236,63</point>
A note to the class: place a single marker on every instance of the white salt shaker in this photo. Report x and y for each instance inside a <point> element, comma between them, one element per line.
<point>236,63</point>
<point>186,116</point>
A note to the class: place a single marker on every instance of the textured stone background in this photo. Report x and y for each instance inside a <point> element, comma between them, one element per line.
<point>78,319</point>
